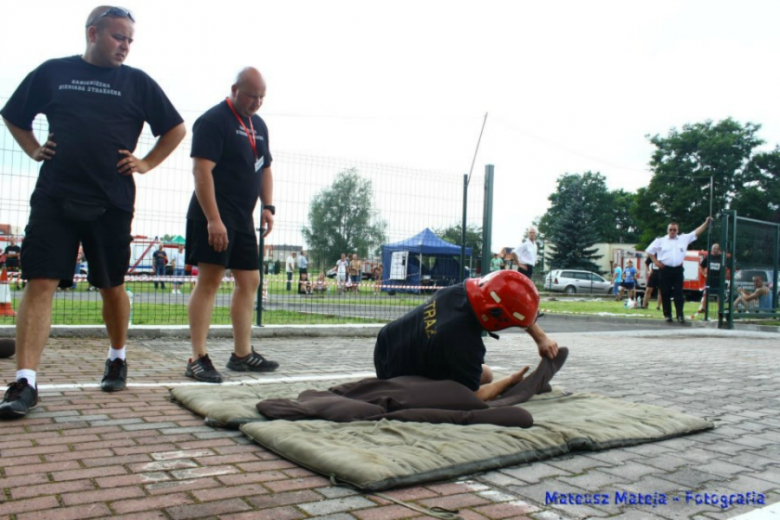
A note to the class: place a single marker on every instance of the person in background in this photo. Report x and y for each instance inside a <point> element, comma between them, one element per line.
<point>761,295</point>
<point>159,259</point>
<point>290,269</point>
<point>12,259</point>
<point>652,284</point>
<point>178,263</point>
<point>495,263</point>
<point>525,254</point>
<point>617,281</point>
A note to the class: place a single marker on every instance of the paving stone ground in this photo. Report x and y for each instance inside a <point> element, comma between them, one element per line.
<point>87,454</point>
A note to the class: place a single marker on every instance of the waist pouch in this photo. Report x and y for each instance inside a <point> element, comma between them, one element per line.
<point>82,211</point>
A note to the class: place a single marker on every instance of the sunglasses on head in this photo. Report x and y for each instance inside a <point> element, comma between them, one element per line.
<point>118,12</point>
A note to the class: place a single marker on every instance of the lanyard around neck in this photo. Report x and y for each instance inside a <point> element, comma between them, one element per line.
<point>250,136</point>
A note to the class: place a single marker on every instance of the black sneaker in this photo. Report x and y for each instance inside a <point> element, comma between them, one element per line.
<point>254,362</point>
<point>202,369</point>
<point>114,376</point>
<point>19,398</point>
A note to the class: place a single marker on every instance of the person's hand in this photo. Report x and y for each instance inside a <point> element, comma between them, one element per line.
<point>266,221</point>
<point>547,347</point>
<point>658,264</point>
<point>45,151</point>
<point>132,164</point>
<point>218,238</point>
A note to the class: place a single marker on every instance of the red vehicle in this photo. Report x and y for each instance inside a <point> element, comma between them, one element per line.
<point>694,281</point>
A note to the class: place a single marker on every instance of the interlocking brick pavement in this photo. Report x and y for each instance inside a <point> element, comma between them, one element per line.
<point>87,454</point>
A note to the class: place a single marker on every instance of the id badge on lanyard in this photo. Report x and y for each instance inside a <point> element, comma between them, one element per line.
<point>251,136</point>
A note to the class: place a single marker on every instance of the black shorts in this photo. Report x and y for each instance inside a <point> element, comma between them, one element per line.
<point>241,253</point>
<point>51,243</point>
<point>652,280</point>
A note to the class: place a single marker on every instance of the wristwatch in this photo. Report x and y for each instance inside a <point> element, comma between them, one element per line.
<point>271,208</point>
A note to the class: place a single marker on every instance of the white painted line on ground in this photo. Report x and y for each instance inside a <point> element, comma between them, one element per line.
<point>770,511</point>
<point>286,379</point>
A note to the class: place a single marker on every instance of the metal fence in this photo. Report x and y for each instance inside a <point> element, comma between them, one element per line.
<point>751,254</point>
<point>406,200</point>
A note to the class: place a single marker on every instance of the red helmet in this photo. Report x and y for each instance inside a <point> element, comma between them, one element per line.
<point>503,299</point>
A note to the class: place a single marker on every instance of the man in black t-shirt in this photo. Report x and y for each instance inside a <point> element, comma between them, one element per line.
<point>232,169</point>
<point>711,268</point>
<point>442,339</point>
<point>12,255</point>
<point>159,258</point>
<point>96,108</point>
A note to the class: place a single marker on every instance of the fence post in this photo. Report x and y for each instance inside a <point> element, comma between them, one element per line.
<point>261,256</point>
<point>463,229</point>
<point>487,220</point>
<point>776,261</point>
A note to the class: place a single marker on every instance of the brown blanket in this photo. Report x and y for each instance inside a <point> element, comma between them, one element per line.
<point>413,398</point>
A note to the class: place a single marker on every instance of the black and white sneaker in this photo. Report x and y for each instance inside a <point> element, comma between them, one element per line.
<point>254,362</point>
<point>114,376</point>
<point>19,398</point>
<point>202,369</point>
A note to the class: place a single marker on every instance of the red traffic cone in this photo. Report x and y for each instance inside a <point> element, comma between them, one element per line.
<point>6,307</point>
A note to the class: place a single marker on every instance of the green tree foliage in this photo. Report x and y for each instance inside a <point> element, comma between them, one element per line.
<point>573,233</point>
<point>342,220</point>
<point>453,235</point>
<point>611,211</point>
<point>682,165</point>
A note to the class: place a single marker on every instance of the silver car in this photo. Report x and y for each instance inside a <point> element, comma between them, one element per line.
<point>571,281</point>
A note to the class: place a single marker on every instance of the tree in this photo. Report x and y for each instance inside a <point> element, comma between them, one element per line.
<point>611,211</point>
<point>454,233</point>
<point>683,163</point>
<point>573,234</point>
<point>342,220</point>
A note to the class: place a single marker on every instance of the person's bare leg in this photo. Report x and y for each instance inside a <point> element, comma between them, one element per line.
<point>242,309</point>
<point>487,375</point>
<point>202,304</point>
<point>648,297</point>
<point>116,314</point>
<point>33,322</point>
<point>490,391</point>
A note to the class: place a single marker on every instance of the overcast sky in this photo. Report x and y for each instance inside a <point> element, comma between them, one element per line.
<point>569,86</point>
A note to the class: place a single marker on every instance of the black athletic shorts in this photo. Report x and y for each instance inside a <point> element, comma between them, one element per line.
<point>241,253</point>
<point>51,244</point>
<point>652,280</point>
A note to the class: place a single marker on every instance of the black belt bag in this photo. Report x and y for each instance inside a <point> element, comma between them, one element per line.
<point>82,211</point>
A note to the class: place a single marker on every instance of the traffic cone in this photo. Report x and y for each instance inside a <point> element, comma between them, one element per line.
<point>6,307</point>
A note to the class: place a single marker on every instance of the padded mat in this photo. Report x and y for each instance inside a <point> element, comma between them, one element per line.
<point>385,454</point>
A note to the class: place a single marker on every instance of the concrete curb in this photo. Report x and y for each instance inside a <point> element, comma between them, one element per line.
<point>319,331</point>
<point>216,331</point>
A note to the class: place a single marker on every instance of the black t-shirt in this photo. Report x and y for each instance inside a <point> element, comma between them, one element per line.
<point>160,257</point>
<point>441,339</point>
<point>93,113</point>
<point>713,271</point>
<point>12,261</point>
<point>217,136</point>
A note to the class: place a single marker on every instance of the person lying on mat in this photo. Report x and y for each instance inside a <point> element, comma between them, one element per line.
<point>442,339</point>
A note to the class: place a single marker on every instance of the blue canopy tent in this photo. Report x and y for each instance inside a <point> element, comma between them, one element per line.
<point>445,270</point>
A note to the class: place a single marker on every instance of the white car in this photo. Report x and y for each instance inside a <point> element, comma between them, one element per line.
<point>572,281</point>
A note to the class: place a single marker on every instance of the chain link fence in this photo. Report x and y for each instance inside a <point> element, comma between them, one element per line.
<point>404,202</point>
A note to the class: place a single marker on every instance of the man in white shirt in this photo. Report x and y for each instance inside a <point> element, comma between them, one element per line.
<point>525,254</point>
<point>341,272</point>
<point>177,262</point>
<point>303,264</point>
<point>668,254</point>
<point>290,268</point>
